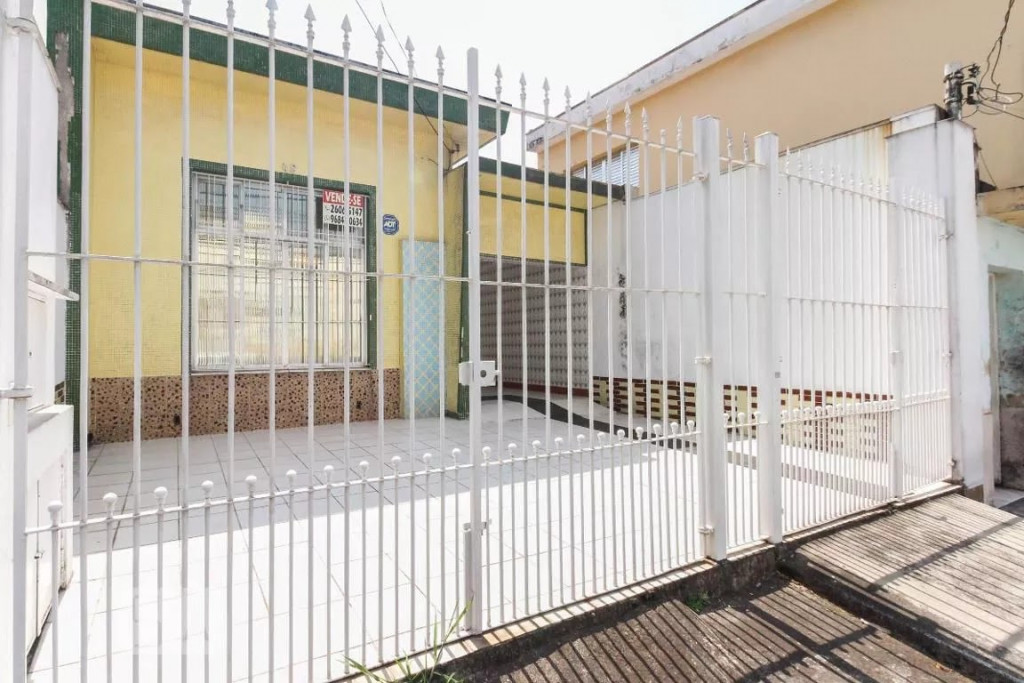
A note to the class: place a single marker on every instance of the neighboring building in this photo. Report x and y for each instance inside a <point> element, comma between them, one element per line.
<point>809,69</point>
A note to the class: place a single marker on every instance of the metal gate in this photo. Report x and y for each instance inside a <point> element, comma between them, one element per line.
<point>295,458</point>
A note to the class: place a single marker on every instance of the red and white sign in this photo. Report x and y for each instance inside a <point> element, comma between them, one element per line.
<point>334,210</point>
<point>338,197</point>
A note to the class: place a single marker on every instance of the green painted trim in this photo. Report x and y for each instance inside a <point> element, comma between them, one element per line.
<point>64,20</point>
<point>248,173</point>
<point>165,35</point>
<point>533,175</point>
<point>535,202</point>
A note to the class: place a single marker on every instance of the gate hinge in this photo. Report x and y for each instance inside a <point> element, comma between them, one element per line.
<point>14,392</point>
<point>706,530</point>
<point>484,373</point>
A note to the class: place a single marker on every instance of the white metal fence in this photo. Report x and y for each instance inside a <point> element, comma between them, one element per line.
<point>765,350</point>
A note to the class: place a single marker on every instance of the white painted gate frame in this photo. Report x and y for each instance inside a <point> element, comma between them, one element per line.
<point>709,435</point>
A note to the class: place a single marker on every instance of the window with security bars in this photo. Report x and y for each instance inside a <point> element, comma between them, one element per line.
<point>624,164</point>
<point>337,301</point>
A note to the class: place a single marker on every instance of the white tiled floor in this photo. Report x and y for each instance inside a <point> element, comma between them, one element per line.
<point>383,557</point>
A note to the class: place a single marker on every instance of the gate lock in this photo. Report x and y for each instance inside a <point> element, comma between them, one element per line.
<point>484,373</point>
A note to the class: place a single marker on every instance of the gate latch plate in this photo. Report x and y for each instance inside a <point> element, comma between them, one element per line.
<point>484,373</point>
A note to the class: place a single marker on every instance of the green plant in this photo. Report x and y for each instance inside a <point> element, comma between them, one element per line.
<point>429,673</point>
<point>698,602</point>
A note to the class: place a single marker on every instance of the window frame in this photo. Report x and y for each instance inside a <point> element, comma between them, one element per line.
<point>580,170</point>
<point>201,167</point>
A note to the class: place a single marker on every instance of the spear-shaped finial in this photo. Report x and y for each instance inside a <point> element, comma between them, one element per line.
<point>587,110</point>
<point>409,49</point>
<point>440,63</point>
<point>346,29</point>
<point>608,116</point>
<point>271,20</point>
<point>662,137</point>
<point>230,13</point>
<point>746,148</point>
<point>547,94</point>
<point>629,118</point>
<point>310,18</point>
<point>522,88</point>
<point>186,7</point>
<point>728,143</point>
<point>380,47</point>
<point>497,82</point>
<point>645,123</point>
<point>679,132</point>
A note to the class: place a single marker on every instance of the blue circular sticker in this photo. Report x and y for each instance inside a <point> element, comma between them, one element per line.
<point>389,224</point>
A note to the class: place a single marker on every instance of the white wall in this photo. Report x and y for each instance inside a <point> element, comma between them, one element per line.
<point>19,38</point>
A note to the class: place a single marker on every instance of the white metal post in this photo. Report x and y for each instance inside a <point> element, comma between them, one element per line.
<point>473,549</point>
<point>772,255</point>
<point>714,522</point>
<point>894,236</point>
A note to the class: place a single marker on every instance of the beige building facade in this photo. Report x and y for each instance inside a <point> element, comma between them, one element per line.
<point>809,69</point>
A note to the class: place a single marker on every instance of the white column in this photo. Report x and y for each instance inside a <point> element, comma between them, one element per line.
<point>772,258</point>
<point>712,462</point>
<point>970,385</point>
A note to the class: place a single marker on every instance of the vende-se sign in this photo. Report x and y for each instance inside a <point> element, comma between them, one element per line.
<point>335,210</point>
<point>338,197</point>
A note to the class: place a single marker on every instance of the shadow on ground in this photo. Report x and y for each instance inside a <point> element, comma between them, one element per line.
<point>779,630</point>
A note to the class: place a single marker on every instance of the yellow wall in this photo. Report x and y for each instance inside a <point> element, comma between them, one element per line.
<point>852,63</point>
<point>112,173</point>
<point>511,222</point>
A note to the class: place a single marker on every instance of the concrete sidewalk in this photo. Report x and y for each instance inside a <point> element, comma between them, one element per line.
<point>777,631</point>
<point>944,575</point>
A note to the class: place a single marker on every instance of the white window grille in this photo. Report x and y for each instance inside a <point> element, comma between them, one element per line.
<point>624,163</point>
<point>339,306</point>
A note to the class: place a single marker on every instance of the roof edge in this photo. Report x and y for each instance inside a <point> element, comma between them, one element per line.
<point>734,33</point>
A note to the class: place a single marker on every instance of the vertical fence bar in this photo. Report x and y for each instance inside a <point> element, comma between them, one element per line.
<point>897,360</point>
<point>160,494</point>
<point>229,192</point>
<point>714,520</point>
<point>569,379</point>
<point>311,334</point>
<point>109,501</point>
<point>346,28</point>
<point>137,344</point>
<point>83,332</point>
<point>590,346</point>
<point>54,509</point>
<point>442,355</point>
<point>475,569</point>
<point>272,336</point>
<point>379,343</point>
<point>184,456</point>
<point>772,253</point>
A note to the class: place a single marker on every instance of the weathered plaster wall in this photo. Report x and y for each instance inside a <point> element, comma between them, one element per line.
<point>1009,298</point>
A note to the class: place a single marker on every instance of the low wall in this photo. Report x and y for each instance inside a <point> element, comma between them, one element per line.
<point>111,406</point>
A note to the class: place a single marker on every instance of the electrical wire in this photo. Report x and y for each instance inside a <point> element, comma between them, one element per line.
<point>984,163</point>
<point>416,101</point>
<point>997,110</point>
<point>990,67</point>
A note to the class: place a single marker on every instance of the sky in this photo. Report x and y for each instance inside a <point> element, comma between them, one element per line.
<point>583,45</point>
